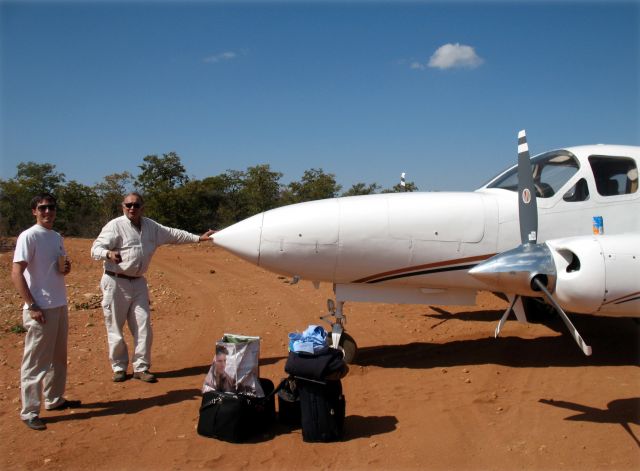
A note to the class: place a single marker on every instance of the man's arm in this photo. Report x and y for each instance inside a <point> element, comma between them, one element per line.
<point>170,235</point>
<point>20,282</point>
<point>101,248</point>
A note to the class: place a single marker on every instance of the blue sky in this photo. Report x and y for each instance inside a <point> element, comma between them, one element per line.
<point>362,89</point>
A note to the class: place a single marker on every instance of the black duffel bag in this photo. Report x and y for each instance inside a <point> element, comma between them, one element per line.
<point>235,417</point>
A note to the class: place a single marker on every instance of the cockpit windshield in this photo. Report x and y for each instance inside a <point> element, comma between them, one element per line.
<point>550,172</point>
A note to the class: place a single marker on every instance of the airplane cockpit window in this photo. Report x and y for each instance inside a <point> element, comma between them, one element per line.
<point>578,192</point>
<point>550,172</point>
<point>614,175</point>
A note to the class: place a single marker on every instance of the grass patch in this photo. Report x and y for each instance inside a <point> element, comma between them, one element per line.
<point>17,329</point>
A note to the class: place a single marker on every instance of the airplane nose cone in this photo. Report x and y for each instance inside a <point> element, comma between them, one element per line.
<point>242,238</point>
<point>513,271</point>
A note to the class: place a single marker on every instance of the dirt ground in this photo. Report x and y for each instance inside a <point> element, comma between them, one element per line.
<point>430,388</point>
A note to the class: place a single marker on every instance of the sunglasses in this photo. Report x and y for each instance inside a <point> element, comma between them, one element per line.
<point>43,207</point>
<point>133,205</point>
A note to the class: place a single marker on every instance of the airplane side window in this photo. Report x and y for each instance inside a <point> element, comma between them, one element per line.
<point>550,174</point>
<point>614,176</point>
<point>578,192</point>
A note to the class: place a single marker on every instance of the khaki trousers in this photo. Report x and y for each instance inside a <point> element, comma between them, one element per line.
<point>127,301</point>
<point>44,363</point>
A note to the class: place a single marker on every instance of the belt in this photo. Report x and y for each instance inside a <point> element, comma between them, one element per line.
<point>120,275</point>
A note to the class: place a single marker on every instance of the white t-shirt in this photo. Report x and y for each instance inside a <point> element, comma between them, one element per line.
<point>40,248</point>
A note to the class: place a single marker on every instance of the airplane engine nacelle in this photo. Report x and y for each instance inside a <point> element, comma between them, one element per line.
<point>598,274</point>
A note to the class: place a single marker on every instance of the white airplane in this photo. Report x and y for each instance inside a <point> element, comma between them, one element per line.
<point>443,247</point>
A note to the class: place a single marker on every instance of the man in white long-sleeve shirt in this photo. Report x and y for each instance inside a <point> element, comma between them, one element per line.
<point>126,244</point>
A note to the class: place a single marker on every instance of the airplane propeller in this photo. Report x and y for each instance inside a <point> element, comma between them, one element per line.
<point>529,268</point>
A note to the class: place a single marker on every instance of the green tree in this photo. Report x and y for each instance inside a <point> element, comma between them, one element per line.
<point>362,189</point>
<point>79,210</point>
<point>16,193</point>
<point>166,172</point>
<point>315,185</point>
<point>233,205</point>
<point>158,180</point>
<point>15,213</point>
<point>111,192</point>
<point>409,187</point>
<point>261,188</point>
<point>39,178</point>
<point>198,202</point>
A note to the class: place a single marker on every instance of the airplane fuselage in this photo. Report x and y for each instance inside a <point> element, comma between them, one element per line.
<point>418,247</point>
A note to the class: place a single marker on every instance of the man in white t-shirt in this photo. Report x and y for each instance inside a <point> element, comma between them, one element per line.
<point>38,275</point>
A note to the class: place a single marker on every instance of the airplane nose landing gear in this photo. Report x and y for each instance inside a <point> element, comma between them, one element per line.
<point>337,320</point>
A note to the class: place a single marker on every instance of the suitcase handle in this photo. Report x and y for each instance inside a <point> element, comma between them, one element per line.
<point>324,383</point>
<point>218,396</point>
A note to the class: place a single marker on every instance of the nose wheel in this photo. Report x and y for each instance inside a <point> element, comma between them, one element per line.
<point>339,338</point>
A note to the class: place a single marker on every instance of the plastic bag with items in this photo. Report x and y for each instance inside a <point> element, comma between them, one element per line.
<point>235,366</point>
<point>312,341</point>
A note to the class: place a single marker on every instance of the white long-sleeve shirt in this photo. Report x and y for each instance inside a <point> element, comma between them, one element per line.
<point>136,247</point>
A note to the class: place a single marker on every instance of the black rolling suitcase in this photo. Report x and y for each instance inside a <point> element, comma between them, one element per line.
<point>322,410</point>
<point>234,417</point>
<point>322,404</point>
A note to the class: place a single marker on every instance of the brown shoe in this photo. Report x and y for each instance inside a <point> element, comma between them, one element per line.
<point>67,404</point>
<point>35,423</point>
<point>145,376</point>
<point>119,376</point>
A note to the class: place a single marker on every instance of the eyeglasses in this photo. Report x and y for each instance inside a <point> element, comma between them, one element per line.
<point>133,205</point>
<point>43,207</point>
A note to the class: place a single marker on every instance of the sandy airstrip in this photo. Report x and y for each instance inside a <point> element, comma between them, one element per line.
<point>430,389</point>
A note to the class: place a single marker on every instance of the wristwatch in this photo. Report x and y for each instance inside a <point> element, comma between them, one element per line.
<point>33,307</point>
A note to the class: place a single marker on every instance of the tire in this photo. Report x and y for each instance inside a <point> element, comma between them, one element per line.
<point>347,345</point>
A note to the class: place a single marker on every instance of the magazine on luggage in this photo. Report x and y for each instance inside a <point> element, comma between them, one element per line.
<point>235,366</point>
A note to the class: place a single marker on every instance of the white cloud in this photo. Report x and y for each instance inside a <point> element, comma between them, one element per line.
<point>223,56</point>
<point>455,55</point>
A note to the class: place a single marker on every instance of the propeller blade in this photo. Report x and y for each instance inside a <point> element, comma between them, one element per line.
<point>504,317</point>
<point>527,206</point>
<point>586,349</point>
